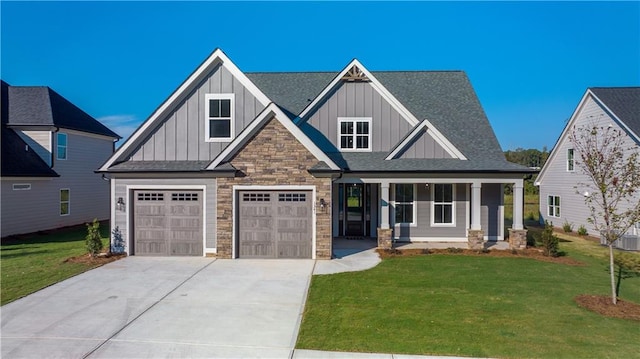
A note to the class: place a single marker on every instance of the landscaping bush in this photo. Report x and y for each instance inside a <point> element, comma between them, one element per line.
<point>567,227</point>
<point>93,240</point>
<point>549,241</point>
<point>582,230</point>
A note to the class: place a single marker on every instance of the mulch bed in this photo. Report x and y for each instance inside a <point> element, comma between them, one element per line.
<point>522,253</point>
<point>602,305</point>
<point>102,258</point>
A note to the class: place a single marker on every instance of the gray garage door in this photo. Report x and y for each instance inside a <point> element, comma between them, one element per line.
<point>275,224</point>
<point>167,223</point>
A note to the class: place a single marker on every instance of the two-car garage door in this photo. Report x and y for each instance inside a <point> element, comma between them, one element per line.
<point>275,224</point>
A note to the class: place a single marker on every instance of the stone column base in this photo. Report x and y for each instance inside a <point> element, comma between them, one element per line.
<point>517,238</point>
<point>475,238</point>
<point>384,238</point>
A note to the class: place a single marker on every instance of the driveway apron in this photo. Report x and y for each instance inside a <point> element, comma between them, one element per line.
<point>141,307</point>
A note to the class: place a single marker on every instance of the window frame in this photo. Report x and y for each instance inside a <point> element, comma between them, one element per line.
<point>556,206</point>
<point>21,186</point>
<point>452,204</point>
<point>354,134</point>
<point>207,123</point>
<point>571,160</point>
<point>68,201</point>
<point>65,146</point>
<point>414,204</point>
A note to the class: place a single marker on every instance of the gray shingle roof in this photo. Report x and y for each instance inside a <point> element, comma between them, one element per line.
<point>41,106</point>
<point>19,160</point>
<point>159,166</point>
<point>624,102</point>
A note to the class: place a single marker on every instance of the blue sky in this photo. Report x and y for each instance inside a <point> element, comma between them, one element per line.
<point>529,62</point>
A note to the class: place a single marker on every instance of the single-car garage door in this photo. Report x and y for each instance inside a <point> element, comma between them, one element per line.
<point>167,223</point>
<point>275,224</point>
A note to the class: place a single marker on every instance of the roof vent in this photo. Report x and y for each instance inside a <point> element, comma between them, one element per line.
<point>355,75</point>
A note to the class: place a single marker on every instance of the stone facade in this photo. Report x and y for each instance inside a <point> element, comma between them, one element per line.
<point>517,238</point>
<point>384,238</point>
<point>273,157</point>
<point>476,239</point>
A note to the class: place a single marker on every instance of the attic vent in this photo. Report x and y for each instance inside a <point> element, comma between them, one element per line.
<point>355,75</point>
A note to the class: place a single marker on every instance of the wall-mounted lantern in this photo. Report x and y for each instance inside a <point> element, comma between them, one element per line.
<point>120,204</point>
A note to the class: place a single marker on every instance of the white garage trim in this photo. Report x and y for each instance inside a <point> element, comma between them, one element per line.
<point>129,206</point>
<point>236,188</point>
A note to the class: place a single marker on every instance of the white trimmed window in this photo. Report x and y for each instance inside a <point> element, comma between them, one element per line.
<point>219,111</point>
<point>570,160</point>
<point>443,205</point>
<point>405,203</point>
<point>553,206</point>
<point>354,133</point>
<point>65,201</point>
<point>61,144</point>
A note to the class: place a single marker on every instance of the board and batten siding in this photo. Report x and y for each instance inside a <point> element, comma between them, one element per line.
<point>360,99</point>
<point>120,219</point>
<point>27,211</point>
<point>425,146</point>
<point>557,181</point>
<point>423,229</point>
<point>40,142</point>
<point>180,136</point>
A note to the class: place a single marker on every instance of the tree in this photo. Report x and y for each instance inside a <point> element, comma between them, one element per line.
<point>93,240</point>
<point>612,193</point>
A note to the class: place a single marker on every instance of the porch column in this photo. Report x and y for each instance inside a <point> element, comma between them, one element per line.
<point>518,198</point>
<point>384,205</point>
<point>475,205</point>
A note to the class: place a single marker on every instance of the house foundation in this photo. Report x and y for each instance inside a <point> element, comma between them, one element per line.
<point>475,238</point>
<point>384,238</point>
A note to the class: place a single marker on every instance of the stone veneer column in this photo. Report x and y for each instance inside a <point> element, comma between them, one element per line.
<point>384,238</point>
<point>475,238</point>
<point>517,238</point>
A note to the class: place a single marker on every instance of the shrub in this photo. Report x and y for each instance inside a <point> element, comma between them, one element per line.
<point>549,241</point>
<point>567,227</point>
<point>93,239</point>
<point>118,241</point>
<point>582,230</point>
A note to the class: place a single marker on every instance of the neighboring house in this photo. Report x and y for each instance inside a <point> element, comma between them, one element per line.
<point>560,177</point>
<point>50,151</point>
<point>276,165</point>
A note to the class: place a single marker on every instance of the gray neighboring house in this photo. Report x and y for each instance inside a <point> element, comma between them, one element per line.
<point>600,106</point>
<point>50,151</point>
<point>277,165</point>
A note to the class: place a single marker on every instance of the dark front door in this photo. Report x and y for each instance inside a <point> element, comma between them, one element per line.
<point>354,200</point>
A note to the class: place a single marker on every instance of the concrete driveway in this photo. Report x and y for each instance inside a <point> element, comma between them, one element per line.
<point>141,307</point>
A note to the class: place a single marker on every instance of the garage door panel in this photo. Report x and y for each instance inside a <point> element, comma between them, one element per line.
<point>150,248</point>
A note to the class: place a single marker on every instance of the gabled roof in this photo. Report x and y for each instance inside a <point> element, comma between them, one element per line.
<point>40,106</point>
<point>271,111</point>
<point>419,130</point>
<point>622,103</point>
<point>217,57</point>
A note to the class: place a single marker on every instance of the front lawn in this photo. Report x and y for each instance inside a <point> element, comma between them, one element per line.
<point>33,262</point>
<point>470,306</point>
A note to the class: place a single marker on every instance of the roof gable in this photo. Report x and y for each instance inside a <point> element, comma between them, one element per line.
<point>216,58</point>
<point>20,160</point>
<point>623,103</point>
<point>420,134</point>
<point>271,111</point>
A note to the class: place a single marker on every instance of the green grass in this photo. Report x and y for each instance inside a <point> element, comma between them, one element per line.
<point>470,306</point>
<point>36,261</point>
<point>531,207</point>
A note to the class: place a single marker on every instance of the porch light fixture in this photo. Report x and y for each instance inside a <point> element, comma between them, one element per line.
<point>120,204</point>
<point>586,194</point>
<point>323,205</point>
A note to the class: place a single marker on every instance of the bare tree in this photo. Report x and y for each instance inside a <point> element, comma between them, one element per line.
<point>612,194</point>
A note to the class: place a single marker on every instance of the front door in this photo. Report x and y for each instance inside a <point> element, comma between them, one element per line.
<point>354,200</point>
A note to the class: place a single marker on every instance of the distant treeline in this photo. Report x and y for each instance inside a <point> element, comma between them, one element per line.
<point>531,158</point>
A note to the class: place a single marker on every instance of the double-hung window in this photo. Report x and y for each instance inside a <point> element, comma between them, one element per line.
<point>443,206</point>
<point>61,144</point>
<point>65,200</point>
<point>354,133</point>
<point>570,160</point>
<point>219,113</point>
<point>405,212</point>
<point>553,204</point>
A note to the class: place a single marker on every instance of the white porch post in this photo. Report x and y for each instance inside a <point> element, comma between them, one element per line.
<point>475,205</point>
<point>384,205</point>
<point>518,197</point>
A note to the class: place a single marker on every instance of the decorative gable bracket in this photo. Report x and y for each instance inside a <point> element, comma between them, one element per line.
<point>355,74</point>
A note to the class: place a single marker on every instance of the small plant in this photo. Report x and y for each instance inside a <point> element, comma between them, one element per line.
<point>93,239</point>
<point>549,241</point>
<point>118,241</point>
<point>567,227</point>
<point>454,250</point>
<point>582,230</point>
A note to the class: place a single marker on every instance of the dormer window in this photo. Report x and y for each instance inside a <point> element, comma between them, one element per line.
<point>220,117</point>
<point>354,134</point>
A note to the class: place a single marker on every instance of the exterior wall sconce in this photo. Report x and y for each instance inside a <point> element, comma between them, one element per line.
<point>120,204</point>
<point>323,205</point>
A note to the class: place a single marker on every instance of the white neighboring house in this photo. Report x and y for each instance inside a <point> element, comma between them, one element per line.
<point>50,151</point>
<point>602,106</point>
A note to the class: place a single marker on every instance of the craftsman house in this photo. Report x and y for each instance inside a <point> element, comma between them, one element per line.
<point>50,151</point>
<point>561,201</point>
<point>276,165</point>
